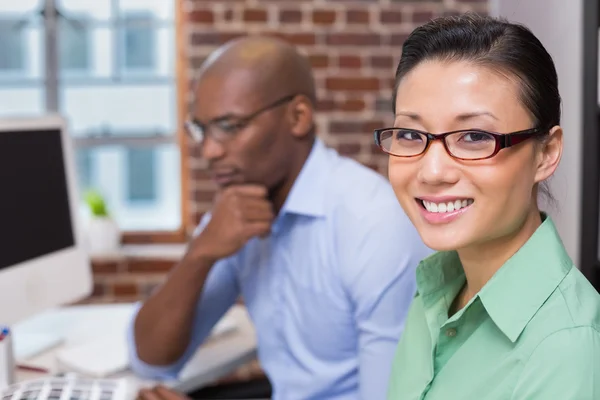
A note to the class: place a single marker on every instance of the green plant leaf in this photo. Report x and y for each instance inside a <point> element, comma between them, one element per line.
<point>96,203</point>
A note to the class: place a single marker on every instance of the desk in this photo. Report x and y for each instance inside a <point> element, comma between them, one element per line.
<point>216,358</point>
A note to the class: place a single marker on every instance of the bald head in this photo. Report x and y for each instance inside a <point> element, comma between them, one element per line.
<point>274,68</point>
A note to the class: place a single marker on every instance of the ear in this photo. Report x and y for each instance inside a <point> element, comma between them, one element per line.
<point>549,155</point>
<point>301,116</point>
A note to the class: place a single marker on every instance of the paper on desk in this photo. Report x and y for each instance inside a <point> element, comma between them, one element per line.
<point>106,355</point>
<point>98,358</point>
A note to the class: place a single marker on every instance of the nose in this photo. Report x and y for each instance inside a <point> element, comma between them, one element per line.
<point>211,149</point>
<point>437,166</point>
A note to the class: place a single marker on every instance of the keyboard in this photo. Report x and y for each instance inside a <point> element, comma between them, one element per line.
<point>67,388</point>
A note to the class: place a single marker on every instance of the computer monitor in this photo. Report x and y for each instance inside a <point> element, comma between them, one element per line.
<point>43,263</point>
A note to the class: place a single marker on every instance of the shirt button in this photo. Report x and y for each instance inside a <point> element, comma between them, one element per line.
<point>451,332</point>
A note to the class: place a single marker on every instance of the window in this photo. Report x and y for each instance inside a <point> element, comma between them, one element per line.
<point>141,165</point>
<point>84,164</point>
<point>138,41</point>
<point>118,90</point>
<point>74,44</point>
<point>11,45</point>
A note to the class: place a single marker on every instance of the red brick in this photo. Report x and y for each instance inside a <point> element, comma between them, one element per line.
<point>203,196</point>
<point>422,16</point>
<point>290,16</point>
<point>325,105</point>
<point>318,60</point>
<point>297,39</point>
<point>140,265</point>
<point>382,62</point>
<point>383,105</point>
<point>301,39</point>
<point>99,290</point>
<point>353,39</point>
<point>201,17</point>
<point>125,289</point>
<point>357,16</point>
<point>352,84</point>
<point>348,61</point>
<point>349,149</point>
<point>390,17</point>
<point>228,15</point>
<point>105,267</point>
<point>353,105</point>
<point>255,15</point>
<point>375,150</point>
<point>323,17</point>
<point>397,39</point>
<point>346,126</point>
<point>200,174</point>
<point>214,38</point>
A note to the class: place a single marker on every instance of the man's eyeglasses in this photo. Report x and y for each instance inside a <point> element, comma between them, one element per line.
<point>468,144</point>
<point>225,128</point>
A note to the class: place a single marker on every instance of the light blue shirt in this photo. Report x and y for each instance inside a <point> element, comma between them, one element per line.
<point>328,291</point>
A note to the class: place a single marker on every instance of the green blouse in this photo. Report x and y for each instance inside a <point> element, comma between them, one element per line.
<point>532,332</point>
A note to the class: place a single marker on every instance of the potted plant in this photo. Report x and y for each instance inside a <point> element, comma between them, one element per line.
<point>103,234</point>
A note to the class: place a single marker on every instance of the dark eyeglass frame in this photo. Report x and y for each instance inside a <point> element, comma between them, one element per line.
<point>197,129</point>
<point>503,140</point>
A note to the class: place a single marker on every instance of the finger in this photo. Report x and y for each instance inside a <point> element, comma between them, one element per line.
<point>250,189</point>
<point>257,212</point>
<point>169,394</point>
<point>260,229</point>
<point>148,394</point>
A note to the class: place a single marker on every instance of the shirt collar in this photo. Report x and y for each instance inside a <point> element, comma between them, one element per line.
<point>308,191</point>
<point>516,291</point>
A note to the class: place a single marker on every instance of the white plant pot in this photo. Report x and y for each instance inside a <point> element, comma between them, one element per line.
<point>103,236</point>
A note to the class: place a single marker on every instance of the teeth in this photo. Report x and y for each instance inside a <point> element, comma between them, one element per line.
<point>447,207</point>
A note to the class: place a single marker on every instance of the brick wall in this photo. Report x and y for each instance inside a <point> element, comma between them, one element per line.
<point>353,45</point>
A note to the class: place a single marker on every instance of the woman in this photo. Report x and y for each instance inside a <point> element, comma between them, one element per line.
<point>501,312</point>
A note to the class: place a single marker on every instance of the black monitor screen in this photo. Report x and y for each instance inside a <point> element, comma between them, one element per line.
<point>34,199</point>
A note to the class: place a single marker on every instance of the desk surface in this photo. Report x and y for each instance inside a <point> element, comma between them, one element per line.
<point>216,358</point>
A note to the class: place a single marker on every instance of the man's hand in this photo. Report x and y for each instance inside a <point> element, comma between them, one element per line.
<point>240,213</point>
<point>160,393</point>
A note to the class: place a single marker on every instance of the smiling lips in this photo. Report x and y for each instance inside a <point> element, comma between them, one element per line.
<point>442,210</point>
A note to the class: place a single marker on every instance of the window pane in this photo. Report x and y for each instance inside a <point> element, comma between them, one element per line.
<point>120,109</point>
<point>146,48</point>
<point>84,164</point>
<point>160,9</point>
<point>21,101</point>
<point>99,10</point>
<point>75,45</point>
<point>21,63</point>
<point>21,6</point>
<point>12,45</point>
<point>141,185</point>
<point>139,37</point>
<point>141,174</point>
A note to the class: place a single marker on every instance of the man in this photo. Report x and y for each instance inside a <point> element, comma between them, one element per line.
<point>315,243</point>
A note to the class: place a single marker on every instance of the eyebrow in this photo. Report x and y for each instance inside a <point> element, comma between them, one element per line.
<point>221,118</point>
<point>461,117</point>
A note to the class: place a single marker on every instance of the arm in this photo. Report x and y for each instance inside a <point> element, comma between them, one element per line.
<point>566,366</point>
<point>381,281</point>
<point>175,320</point>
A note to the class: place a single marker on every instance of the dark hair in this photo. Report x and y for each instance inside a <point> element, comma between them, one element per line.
<point>493,43</point>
